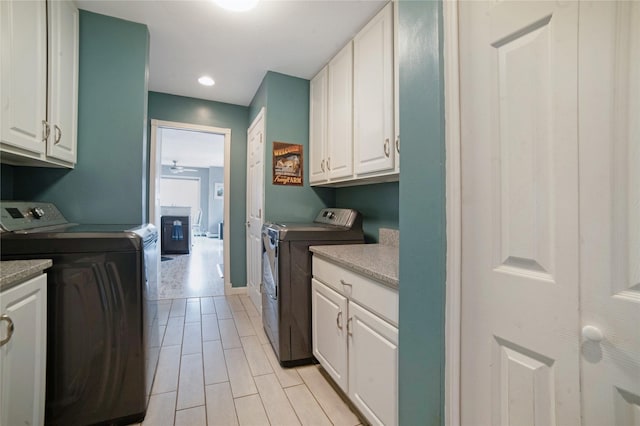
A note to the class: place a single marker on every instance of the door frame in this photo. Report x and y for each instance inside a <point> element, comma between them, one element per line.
<point>155,173</point>
<point>453,171</point>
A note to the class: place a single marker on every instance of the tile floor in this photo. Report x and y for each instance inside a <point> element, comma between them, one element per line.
<point>216,367</point>
<point>195,274</point>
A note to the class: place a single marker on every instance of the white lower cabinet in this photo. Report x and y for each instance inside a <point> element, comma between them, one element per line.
<point>357,347</point>
<point>329,310</point>
<point>373,366</point>
<point>23,356</point>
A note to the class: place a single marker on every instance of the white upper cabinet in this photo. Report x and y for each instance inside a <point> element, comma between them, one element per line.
<point>38,124</point>
<point>374,139</point>
<point>23,84</point>
<point>354,125</point>
<point>340,115</point>
<point>63,80</point>
<point>318,128</point>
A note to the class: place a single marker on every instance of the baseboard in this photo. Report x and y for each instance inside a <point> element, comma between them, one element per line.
<point>230,290</point>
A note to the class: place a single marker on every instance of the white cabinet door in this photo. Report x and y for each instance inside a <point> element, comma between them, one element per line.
<point>396,87</point>
<point>23,357</point>
<point>318,127</point>
<point>340,115</point>
<point>23,81</point>
<point>373,366</point>
<point>63,80</point>
<point>329,317</point>
<point>373,95</point>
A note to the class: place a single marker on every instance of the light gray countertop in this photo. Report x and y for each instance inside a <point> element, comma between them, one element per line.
<point>375,261</point>
<point>14,272</point>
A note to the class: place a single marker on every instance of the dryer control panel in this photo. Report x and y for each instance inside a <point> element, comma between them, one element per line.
<point>18,216</point>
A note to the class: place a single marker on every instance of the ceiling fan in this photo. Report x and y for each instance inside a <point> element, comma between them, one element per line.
<point>179,169</point>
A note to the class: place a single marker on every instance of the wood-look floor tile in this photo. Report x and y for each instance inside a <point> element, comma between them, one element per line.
<point>164,307</point>
<point>207,306</point>
<point>191,384</point>
<point>229,334</point>
<point>286,376</point>
<point>161,410</point>
<point>276,403</point>
<point>306,407</point>
<point>223,310</point>
<point>192,339</point>
<point>336,409</point>
<point>167,371</point>
<point>234,303</point>
<point>210,327</point>
<point>220,407</point>
<point>257,359</point>
<point>251,411</point>
<point>173,335</point>
<point>259,329</point>
<point>242,383</point>
<point>215,368</point>
<point>243,324</point>
<point>251,309</point>
<point>178,307</point>
<point>193,310</point>
<point>196,416</point>
<point>175,321</point>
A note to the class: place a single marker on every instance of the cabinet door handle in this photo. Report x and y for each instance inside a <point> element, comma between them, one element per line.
<point>9,329</point>
<point>322,165</point>
<point>386,148</point>
<point>349,332</point>
<point>398,144</point>
<point>58,132</point>
<point>343,282</point>
<point>328,160</point>
<point>46,130</point>
<point>339,320</point>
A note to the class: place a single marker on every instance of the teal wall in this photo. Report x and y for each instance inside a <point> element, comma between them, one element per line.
<point>108,184</point>
<point>6,182</point>
<point>286,100</point>
<point>378,204</point>
<point>422,214</point>
<point>217,114</point>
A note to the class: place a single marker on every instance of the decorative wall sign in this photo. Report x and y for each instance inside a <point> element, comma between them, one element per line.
<point>287,164</point>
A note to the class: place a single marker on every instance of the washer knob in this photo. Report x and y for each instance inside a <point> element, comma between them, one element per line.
<point>37,212</point>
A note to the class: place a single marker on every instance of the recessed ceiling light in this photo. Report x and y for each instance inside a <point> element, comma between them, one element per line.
<point>206,81</point>
<point>237,5</point>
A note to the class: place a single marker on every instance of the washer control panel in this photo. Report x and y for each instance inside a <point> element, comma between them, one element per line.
<point>22,215</point>
<point>339,217</point>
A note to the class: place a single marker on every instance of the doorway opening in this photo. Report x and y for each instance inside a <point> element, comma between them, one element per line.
<point>188,186</point>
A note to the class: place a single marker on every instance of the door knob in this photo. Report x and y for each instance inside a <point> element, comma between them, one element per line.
<point>589,332</point>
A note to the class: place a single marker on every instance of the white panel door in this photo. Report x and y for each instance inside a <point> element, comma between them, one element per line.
<point>318,127</point>
<point>328,322</point>
<point>373,366</point>
<point>610,211</point>
<point>340,115</point>
<point>255,207</point>
<point>63,80</point>
<point>520,267</point>
<point>373,95</point>
<point>23,74</point>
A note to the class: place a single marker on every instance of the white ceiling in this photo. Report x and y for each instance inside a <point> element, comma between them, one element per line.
<point>192,38</point>
<point>192,149</point>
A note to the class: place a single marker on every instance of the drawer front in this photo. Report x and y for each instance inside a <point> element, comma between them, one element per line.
<point>376,297</point>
